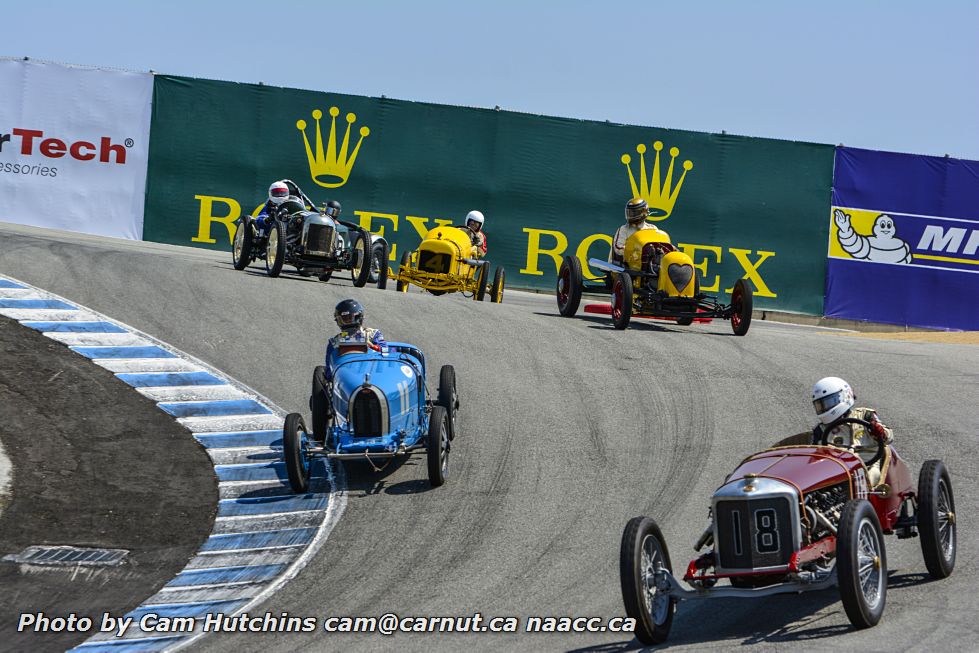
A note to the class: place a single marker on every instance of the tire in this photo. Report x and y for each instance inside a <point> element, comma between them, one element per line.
<point>482,277</point>
<point>404,265</point>
<point>294,451</point>
<point>742,299</point>
<point>499,281</point>
<point>860,549</point>
<point>275,249</point>
<point>325,275</point>
<point>379,264</point>
<point>936,519</point>
<point>360,273</point>
<point>241,248</point>
<point>449,397</point>
<point>622,300</point>
<point>438,446</point>
<point>569,285</point>
<point>641,540</point>
<point>320,405</point>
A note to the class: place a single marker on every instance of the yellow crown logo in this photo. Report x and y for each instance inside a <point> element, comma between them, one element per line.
<point>331,168</point>
<point>660,197</point>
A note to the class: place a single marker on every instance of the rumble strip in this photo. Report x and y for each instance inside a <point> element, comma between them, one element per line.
<point>263,534</point>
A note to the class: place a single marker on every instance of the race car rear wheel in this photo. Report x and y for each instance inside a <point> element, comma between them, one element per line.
<point>569,284</point>
<point>275,249</point>
<point>861,563</point>
<point>379,264</point>
<point>320,405</point>
<point>405,264</point>
<point>361,270</point>
<point>499,279</point>
<point>241,250</point>
<point>622,300</point>
<point>294,451</point>
<point>449,396</point>
<point>936,518</point>
<point>642,552</point>
<point>742,300</point>
<point>482,278</point>
<point>438,446</point>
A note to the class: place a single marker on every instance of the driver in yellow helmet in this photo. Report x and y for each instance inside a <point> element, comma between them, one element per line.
<point>636,212</point>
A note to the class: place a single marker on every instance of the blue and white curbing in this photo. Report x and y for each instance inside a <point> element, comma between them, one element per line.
<point>263,534</point>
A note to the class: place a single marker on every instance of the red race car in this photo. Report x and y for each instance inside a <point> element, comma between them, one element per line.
<point>794,518</point>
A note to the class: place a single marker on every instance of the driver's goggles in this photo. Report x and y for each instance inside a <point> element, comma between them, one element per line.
<point>348,319</point>
<point>829,401</point>
<point>280,192</point>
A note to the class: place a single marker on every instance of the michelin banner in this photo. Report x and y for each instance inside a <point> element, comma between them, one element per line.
<point>904,240</point>
<point>73,147</point>
<point>549,187</point>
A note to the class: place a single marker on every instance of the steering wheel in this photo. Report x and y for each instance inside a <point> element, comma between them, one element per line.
<point>881,445</point>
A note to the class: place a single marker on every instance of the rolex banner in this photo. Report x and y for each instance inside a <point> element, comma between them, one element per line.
<point>549,187</point>
<point>73,147</point>
<point>904,240</point>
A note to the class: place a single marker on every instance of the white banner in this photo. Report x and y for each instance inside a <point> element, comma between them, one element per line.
<point>73,147</point>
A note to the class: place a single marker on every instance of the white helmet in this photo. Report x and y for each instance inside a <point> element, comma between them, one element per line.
<point>832,397</point>
<point>278,192</point>
<point>477,217</point>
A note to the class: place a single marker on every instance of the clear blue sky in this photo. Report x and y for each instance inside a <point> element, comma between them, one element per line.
<point>892,75</point>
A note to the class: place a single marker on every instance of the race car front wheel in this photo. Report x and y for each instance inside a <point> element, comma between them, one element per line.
<point>438,446</point>
<point>622,300</point>
<point>449,396</point>
<point>241,250</point>
<point>360,272</point>
<point>642,553</point>
<point>861,564</point>
<point>319,404</point>
<point>275,249</point>
<point>499,280</point>
<point>294,451</point>
<point>482,276</point>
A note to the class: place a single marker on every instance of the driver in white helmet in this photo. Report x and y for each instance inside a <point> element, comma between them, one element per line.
<point>278,193</point>
<point>833,399</point>
<point>474,226</point>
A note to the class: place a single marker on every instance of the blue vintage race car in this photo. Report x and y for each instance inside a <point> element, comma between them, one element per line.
<point>375,407</point>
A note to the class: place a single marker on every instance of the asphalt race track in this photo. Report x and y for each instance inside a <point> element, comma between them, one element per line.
<point>568,429</point>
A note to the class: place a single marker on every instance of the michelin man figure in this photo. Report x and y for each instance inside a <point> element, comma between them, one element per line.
<point>883,247</point>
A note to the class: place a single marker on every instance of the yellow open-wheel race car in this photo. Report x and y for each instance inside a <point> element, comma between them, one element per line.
<point>447,261</point>
<point>654,280</point>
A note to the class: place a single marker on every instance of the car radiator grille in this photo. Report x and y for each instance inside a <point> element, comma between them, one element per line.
<point>754,533</point>
<point>318,239</point>
<point>433,262</point>
<point>366,415</point>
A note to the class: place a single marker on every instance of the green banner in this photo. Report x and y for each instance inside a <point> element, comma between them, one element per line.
<point>741,207</point>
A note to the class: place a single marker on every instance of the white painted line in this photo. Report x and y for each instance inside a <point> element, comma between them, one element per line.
<point>19,293</point>
<point>48,315</point>
<point>149,365</point>
<point>192,393</point>
<point>220,424</point>
<point>98,339</point>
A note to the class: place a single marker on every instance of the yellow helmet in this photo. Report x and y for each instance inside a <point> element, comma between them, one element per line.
<point>636,210</point>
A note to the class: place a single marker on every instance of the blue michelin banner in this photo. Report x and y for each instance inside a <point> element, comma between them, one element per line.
<point>904,240</point>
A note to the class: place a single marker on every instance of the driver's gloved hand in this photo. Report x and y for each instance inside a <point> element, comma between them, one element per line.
<point>878,430</point>
<point>817,434</point>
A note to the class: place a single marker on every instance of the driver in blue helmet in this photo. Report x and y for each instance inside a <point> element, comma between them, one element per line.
<point>349,315</point>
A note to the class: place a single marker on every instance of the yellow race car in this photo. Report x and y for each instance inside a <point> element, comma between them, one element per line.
<point>654,280</point>
<point>447,261</point>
